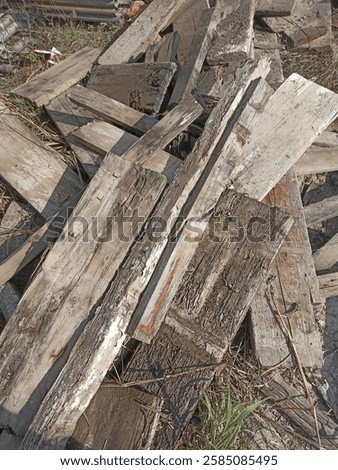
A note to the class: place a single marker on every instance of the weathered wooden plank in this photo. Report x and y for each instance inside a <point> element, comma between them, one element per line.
<point>67,117</point>
<point>321,211</point>
<point>291,290</point>
<point>317,160</point>
<point>54,424</point>
<point>234,36</point>
<point>111,110</point>
<point>274,7</point>
<point>165,50</point>
<point>328,284</point>
<point>102,137</point>
<point>142,32</point>
<point>32,168</point>
<point>140,86</point>
<point>136,271</point>
<point>294,404</point>
<point>52,82</point>
<point>192,65</point>
<point>266,44</point>
<point>9,299</point>
<point>294,116</point>
<point>327,255</point>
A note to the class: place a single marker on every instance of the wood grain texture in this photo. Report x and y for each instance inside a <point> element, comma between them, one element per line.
<point>102,137</point>
<point>328,284</point>
<point>317,160</point>
<point>32,168</point>
<point>327,256</point>
<point>47,85</point>
<point>320,211</point>
<point>291,290</point>
<point>140,86</point>
<point>165,50</point>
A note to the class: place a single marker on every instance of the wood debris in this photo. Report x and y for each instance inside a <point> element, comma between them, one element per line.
<point>187,217</point>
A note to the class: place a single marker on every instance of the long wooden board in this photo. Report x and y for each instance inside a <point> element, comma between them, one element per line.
<point>291,291</point>
<point>32,168</point>
<point>328,284</point>
<point>320,211</point>
<point>53,425</point>
<point>327,255</point>
<point>102,137</point>
<point>318,160</point>
<point>274,7</point>
<point>51,83</point>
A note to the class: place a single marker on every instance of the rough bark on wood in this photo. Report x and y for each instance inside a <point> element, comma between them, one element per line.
<point>291,290</point>
<point>51,83</point>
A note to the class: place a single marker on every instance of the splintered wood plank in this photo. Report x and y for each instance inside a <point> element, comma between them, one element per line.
<point>67,117</point>
<point>103,137</point>
<point>52,82</point>
<point>64,291</point>
<point>111,110</point>
<point>295,405</point>
<point>328,284</point>
<point>317,160</point>
<point>32,168</point>
<point>234,36</point>
<point>52,424</point>
<point>291,291</point>
<point>274,7</point>
<point>140,86</point>
<point>192,65</point>
<point>133,276</point>
<point>321,211</point>
<point>142,32</point>
<point>157,298</point>
<point>294,116</point>
<point>327,255</point>
<point>165,50</point>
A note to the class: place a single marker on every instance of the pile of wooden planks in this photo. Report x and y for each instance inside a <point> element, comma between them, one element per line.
<point>185,216</point>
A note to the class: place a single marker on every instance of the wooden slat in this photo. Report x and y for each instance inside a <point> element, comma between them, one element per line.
<point>328,284</point>
<point>111,110</point>
<point>142,32</point>
<point>327,255</point>
<point>102,137</point>
<point>140,86</point>
<point>52,82</point>
<point>32,168</point>
<point>274,7</point>
<point>321,211</point>
<point>245,271</point>
<point>317,160</point>
<point>291,290</point>
<point>188,75</point>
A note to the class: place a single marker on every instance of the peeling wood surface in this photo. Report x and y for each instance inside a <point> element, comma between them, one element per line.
<point>140,86</point>
<point>32,168</point>
<point>52,82</point>
<point>321,211</point>
<point>290,290</point>
<point>102,137</point>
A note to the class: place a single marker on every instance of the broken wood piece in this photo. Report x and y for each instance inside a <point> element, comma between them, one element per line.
<point>140,86</point>
<point>328,284</point>
<point>9,299</point>
<point>70,398</point>
<point>188,75</point>
<point>142,32</point>
<point>318,160</point>
<point>291,290</point>
<point>266,44</point>
<point>102,137</point>
<point>274,7</point>
<point>327,256</point>
<point>321,211</point>
<point>165,50</point>
<point>52,82</point>
<point>111,110</point>
<point>234,36</point>
<point>32,168</point>
<point>306,35</point>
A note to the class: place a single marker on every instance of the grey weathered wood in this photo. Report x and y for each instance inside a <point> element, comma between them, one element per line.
<point>327,255</point>
<point>68,117</point>
<point>54,424</point>
<point>317,160</point>
<point>111,110</point>
<point>266,44</point>
<point>321,211</point>
<point>274,7</point>
<point>193,62</point>
<point>328,284</point>
<point>32,168</point>
<point>140,86</point>
<point>294,116</point>
<point>9,299</point>
<point>234,36</point>
<point>102,137</point>
<point>142,32</point>
<point>47,85</point>
<point>294,404</point>
<point>165,50</point>
<point>290,290</point>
